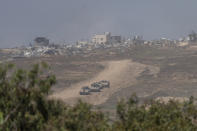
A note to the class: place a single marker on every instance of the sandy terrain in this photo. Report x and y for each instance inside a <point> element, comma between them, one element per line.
<point>121,74</point>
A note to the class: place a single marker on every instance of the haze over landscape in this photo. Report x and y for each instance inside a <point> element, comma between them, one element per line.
<point>65,20</point>
<point>98,65</point>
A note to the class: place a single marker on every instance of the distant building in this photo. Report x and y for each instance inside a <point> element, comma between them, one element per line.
<point>138,40</point>
<point>137,37</point>
<point>102,38</point>
<point>41,41</point>
<point>82,42</point>
<point>182,44</point>
<point>192,37</point>
<point>116,39</point>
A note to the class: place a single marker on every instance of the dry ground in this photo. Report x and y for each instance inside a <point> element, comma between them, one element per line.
<point>120,73</point>
<point>171,73</point>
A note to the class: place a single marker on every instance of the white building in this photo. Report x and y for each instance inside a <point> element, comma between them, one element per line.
<point>102,38</point>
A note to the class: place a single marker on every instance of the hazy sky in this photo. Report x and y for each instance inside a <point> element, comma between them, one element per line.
<point>70,20</point>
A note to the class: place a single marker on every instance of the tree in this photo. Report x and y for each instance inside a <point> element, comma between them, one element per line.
<point>155,116</point>
<point>23,97</point>
<point>78,118</point>
<point>41,41</point>
<point>24,104</point>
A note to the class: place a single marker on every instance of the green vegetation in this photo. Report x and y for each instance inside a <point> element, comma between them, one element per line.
<point>25,106</point>
<point>155,116</point>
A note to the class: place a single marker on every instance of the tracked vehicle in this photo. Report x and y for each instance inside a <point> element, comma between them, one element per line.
<point>105,84</point>
<point>94,87</point>
<point>85,91</point>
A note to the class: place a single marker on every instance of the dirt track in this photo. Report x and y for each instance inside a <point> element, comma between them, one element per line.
<point>121,74</point>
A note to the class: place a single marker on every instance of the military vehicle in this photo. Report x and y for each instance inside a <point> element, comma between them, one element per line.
<point>105,84</point>
<point>101,84</point>
<point>95,87</point>
<point>85,91</point>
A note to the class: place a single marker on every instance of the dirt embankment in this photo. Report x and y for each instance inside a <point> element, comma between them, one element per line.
<point>121,74</point>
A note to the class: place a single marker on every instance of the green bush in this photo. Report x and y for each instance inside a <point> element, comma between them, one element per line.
<point>171,116</point>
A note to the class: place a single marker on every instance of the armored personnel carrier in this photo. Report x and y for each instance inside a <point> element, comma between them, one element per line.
<point>101,84</point>
<point>94,87</point>
<point>85,91</point>
<point>105,84</point>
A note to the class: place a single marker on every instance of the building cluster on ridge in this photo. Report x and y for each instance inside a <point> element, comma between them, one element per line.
<point>43,47</point>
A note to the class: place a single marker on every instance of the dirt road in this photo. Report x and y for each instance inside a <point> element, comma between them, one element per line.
<point>121,74</point>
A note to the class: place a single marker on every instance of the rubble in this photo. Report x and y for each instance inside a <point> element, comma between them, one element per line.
<point>42,46</point>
